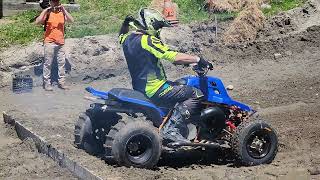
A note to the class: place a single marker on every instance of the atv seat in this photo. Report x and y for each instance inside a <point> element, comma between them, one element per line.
<point>132,100</point>
<point>120,93</point>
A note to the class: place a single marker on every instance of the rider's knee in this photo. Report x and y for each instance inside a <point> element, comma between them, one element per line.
<point>189,108</point>
<point>197,93</point>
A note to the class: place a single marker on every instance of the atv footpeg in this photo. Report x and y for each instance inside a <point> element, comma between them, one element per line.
<point>180,144</point>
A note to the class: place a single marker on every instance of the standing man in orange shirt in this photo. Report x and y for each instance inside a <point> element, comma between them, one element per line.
<point>53,18</point>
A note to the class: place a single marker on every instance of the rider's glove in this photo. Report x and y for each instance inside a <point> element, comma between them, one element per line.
<point>205,64</point>
<point>129,19</point>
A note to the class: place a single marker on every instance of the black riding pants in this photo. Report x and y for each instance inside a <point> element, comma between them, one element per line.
<point>170,94</point>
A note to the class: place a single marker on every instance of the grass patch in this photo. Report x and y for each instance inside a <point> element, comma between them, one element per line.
<point>191,10</point>
<point>20,31</point>
<point>282,5</point>
<point>101,17</point>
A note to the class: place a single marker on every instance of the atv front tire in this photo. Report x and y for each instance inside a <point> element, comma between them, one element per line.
<point>133,142</point>
<point>84,138</point>
<point>254,143</point>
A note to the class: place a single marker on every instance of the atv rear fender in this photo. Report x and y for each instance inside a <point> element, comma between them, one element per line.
<point>128,105</point>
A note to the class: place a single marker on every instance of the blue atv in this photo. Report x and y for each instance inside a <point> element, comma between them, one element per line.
<point>124,126</point>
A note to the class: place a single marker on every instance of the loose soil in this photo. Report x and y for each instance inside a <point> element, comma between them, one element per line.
<point>278,74</point>
<point>21,160</point>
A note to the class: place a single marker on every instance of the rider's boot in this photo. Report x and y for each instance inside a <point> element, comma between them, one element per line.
<point>171,131</point>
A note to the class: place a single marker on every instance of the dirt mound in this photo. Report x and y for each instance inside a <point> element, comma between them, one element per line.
<point>291,22</point>
<point>230,5</point>
<point>219,6</point>
<point>277,25</point>
<point>156,4</point>
<point>200,38</point>
<point>245,26</point>
<point>87,58</point>
<point>252,26</point>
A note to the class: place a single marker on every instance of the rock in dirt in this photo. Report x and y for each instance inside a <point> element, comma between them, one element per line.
<point>314,171</point>
<point>265,6</point>
<point>277,55</point>
<point>230,87</point>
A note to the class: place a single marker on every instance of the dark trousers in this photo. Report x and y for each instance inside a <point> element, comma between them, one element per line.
<point>170,94</point>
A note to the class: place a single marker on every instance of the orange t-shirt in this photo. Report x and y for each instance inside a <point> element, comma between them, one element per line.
<point>55,28</point>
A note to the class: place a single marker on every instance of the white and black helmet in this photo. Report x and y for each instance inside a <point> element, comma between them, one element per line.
<point>152,20</point>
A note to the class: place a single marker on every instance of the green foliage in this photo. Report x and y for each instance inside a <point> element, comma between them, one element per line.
<point>21,31</point>
<point>102,17</point>
<point>282,5</point>
<point>191,10</point>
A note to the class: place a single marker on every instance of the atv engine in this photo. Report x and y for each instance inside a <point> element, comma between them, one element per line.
<point>212,122</point>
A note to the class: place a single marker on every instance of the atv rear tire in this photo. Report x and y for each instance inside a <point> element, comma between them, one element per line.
<point>83,136</point>
<point>134,142</point>
<point>255,143</point>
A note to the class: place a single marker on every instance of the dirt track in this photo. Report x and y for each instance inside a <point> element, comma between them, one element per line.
<point>285,90</point>
<point>21,160</point>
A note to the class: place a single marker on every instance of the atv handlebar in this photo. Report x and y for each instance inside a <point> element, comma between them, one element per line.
<point>201,71</point>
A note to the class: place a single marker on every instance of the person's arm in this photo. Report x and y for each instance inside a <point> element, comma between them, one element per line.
<point>42,17</point>
<point>162,51</point>
<point>67,15</point>
<point>126,25</point>
<point>124,30</point>
<point>182,58</point>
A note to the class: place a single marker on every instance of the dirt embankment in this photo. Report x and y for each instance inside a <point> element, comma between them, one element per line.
<point>299,25</point>
<point>88,59</point>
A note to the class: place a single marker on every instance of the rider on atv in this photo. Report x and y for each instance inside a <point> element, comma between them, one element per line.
<point>143,50</point>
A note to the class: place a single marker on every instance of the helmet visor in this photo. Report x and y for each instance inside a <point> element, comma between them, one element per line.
<point>149,16</point>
